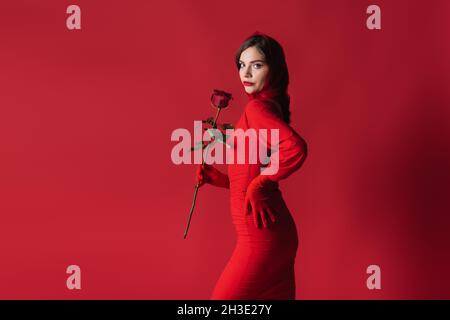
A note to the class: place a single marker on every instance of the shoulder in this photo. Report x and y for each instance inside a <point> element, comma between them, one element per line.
<point>258,107</point>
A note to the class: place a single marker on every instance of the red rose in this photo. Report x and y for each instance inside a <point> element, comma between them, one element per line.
<point>220,98</point>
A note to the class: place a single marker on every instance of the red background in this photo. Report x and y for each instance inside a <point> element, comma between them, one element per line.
<point>86,117</point>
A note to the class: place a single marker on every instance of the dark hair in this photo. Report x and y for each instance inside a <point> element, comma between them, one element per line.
<point>278,77</point>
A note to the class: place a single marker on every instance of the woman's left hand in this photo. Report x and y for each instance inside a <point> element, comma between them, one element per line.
<point>257,200</point>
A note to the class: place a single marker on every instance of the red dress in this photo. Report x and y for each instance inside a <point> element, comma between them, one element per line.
<point>262,263</point>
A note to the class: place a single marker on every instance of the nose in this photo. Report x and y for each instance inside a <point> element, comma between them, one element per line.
<point>247,72</point>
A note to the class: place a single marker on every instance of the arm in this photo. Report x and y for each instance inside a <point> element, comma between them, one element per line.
<point>224,181</point>
<point>290,151</point>
<point>209,174</point>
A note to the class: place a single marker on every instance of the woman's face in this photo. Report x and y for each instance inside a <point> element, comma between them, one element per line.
<point>253,70</point>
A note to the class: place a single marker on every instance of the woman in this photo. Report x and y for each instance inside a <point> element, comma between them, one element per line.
<point>262,264</point>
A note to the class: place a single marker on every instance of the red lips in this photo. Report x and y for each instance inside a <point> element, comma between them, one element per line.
<point>246,83</point>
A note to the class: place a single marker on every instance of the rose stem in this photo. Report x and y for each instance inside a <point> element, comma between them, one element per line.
<point>197,185</point>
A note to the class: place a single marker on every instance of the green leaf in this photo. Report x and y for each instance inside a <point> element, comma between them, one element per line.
<point>197,146</point>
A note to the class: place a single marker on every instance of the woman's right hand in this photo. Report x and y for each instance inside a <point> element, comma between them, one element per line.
<point>209,174</point>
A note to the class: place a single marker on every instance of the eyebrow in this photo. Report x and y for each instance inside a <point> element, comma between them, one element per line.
<point>253,61</point>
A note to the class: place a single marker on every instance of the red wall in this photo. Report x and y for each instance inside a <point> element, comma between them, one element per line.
<point>86,117</point>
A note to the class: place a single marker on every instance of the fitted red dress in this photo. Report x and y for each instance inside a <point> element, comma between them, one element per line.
<point>262,263</point>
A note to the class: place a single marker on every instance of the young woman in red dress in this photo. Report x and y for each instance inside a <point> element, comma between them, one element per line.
<point>261,266</point>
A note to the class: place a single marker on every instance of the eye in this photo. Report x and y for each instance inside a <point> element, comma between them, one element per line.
<point>240,65</point>
<point>258,65</point>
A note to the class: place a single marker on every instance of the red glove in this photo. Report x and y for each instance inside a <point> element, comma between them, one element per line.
<point>207,173</point>
<point>258,200</point>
